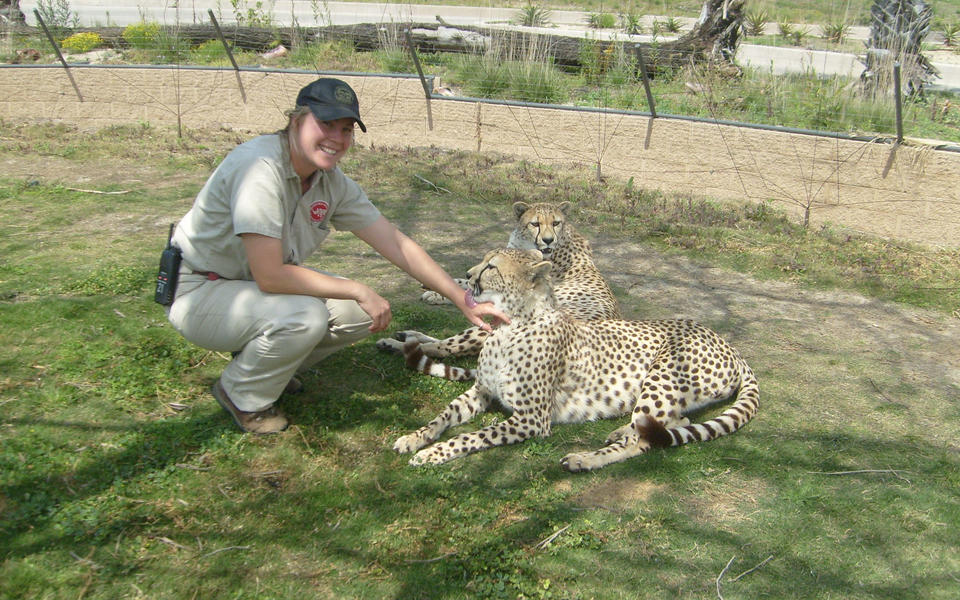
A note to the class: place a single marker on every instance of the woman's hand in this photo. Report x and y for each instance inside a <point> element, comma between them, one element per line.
<point>478,311</point>
<point>271,275</point>
<point>386,239</point>
<point>376,306</point>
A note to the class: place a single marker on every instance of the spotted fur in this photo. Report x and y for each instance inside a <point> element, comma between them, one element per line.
<point>578,285</point>
<point>549,367</point>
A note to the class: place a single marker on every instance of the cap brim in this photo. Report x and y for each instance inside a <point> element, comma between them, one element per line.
<point>332,113</point>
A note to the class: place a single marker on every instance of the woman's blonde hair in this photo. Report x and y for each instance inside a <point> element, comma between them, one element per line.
<point>292,115</point>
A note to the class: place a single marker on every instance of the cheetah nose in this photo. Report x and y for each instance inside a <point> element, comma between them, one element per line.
<point>547,240</point>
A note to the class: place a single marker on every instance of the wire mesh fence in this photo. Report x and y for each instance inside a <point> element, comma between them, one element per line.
<point>581,64</point>
<point>596,75</point>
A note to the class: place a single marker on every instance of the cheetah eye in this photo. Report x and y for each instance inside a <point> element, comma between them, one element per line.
<point>556,223</point>
<point>534,223</point>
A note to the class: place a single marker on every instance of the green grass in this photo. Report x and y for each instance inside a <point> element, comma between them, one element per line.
<point>120,477</point>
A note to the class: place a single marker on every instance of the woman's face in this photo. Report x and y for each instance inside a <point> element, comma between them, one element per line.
<point>320,144</point>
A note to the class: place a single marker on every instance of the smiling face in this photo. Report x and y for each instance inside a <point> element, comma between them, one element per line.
<point>319,144</point>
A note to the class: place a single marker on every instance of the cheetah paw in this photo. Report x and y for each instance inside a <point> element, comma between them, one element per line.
<point>429,456</point>
<point>390,345</point>
<point>578,462</point>
<point>431,297</point>
<point>409,443</point>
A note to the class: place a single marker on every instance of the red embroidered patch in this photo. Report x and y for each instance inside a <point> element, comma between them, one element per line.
<point>318,210</point>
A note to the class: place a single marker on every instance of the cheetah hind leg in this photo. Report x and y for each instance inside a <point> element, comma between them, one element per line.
<point>627,446</point>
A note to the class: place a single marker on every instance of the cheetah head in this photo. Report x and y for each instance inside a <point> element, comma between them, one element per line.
<point>539,226</point>
<point>516,281</point>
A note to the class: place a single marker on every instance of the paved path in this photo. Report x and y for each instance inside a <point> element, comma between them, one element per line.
<point>778,60</point>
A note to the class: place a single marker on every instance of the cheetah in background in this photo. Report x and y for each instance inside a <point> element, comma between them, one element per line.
<point>549,367</point>
<point>578,285</point>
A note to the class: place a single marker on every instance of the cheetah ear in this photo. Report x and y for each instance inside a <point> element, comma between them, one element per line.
<point>534,254</point>
<point>519,208</point>
<point>564,207</point>
<point>541,270</point>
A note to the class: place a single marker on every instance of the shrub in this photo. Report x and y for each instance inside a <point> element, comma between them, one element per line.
<point>533,15</point>
<point>209,52</point>
<point>602,21</point>
<point>785,28</point>
<point>755,21</point>
<point>82,42</point>
<point>630,23</point>
<point>799,35</point>
<point>950,31</point>
<point>836,32</point>
<point>142,36</point>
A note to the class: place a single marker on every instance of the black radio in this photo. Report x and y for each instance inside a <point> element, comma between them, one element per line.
<point>168,273</point>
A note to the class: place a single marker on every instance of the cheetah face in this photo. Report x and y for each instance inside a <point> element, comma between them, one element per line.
<point>539,226</point>
<point>505,277</point>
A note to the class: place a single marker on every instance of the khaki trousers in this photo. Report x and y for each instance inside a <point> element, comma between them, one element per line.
<point>276,335</point>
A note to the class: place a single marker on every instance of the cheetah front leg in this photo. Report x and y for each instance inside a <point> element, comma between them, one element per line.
<point>466,406</point>
<point>627,446</point>
<point>395,343</point>
<point>467,342</point>
<point>519,427</point>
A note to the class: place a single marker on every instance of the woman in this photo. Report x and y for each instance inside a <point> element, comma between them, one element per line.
<point>264,211</point>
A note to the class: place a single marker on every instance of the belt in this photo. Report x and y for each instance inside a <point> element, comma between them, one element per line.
<point>210,275</point>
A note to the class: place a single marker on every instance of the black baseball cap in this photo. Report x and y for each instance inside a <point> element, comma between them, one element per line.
<point>331,99</point>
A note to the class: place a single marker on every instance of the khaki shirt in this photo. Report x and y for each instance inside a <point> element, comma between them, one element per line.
<point>256,190</point>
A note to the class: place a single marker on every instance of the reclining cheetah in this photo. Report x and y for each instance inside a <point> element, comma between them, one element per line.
<point>549,367</point>
<point>578,286</point>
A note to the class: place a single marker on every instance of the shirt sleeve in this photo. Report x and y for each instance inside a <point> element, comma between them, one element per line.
<point>257,199</point>
<point>355,211</point>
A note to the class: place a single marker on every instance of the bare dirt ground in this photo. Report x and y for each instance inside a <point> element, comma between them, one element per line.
<point>827,348</point>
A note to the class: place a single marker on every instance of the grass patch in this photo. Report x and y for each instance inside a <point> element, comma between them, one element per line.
<point>119,476</point>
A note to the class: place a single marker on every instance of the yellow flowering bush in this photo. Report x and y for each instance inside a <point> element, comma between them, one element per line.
<point>142,35</point>
<point>82,42</point>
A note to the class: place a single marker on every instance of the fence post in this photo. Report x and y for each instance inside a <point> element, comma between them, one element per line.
<point>56,49</point>
<point>223,41</point>
<point>897,101</point>
<point>423,81</point>
<point>646,81</point>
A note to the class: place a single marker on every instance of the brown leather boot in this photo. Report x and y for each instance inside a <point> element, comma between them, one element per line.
<point>270,420</point>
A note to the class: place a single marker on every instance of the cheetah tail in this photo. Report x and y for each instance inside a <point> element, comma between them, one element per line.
<point>733,418</point>
<point>418,361</point>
